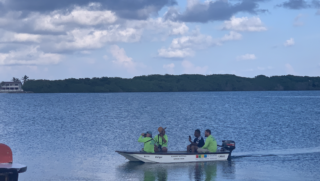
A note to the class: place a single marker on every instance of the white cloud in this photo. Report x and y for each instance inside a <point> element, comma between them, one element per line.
<point>83,29</point>
<point>121,59</point>
<point>179,30</point>
<point>175,53</point>
<point>19,37</point>
<point>289,42</point>
<point>231,36</point>
<point>58,21</point>
<point>186,45</point>
<point>81,39</point>
<point>159,25</point>
<point>297,20</point>
<point>29,56</point>
<point>189,68</point>
<point>192,3</point>
<point>289,69</point>
<point>200,41</point>
<point>247,57</point>
<point>83,16</point>
<point>244,24</point>
<point>169,68</point>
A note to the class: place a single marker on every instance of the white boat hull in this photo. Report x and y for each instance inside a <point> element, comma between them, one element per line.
<point>174,157</point>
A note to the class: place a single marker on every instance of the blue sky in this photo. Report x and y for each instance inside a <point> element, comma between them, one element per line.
<point>127,38</point>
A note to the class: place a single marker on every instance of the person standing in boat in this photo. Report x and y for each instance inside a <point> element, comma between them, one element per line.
<point>149,143</point>
<point>198,142</point>
<point>210,145</point>
<point>161,141</point>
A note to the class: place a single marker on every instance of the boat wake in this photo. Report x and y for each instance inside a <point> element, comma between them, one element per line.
<point>276,152</point>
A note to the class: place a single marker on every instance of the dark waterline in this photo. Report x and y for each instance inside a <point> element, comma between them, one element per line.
<point>74,136</point>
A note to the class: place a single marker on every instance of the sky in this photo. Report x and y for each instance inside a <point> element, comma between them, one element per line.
<point>61,39</point>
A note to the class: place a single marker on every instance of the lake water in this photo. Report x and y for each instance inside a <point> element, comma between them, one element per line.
<point>74,136</point>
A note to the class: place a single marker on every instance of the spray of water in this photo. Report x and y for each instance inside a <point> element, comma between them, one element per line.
<point>276,152</point>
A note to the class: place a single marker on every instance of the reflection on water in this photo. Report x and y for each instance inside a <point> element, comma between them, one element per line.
<point>206,171</point>
<point>211,171</point>
<point>160,174</point>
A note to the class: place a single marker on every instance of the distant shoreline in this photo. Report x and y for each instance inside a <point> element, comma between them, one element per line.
<point>174,83</point>
<point>16,92</point>
<point>160,92</point>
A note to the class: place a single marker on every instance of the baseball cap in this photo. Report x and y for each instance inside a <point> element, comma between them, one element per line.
<point>149,132</point>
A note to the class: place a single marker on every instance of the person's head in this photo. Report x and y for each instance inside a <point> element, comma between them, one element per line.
<point>207,133</point>
<point>162,130</point>
<point>197,133</point>
<point>149,134</point>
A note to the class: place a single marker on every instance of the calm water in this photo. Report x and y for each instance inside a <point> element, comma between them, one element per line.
<point>74,136</point>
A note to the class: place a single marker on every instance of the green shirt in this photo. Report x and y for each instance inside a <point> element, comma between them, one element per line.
<point>211,144</point>
<point>148,145</point>
<point>158,140</point>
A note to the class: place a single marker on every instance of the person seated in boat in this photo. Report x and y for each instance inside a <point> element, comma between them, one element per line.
<point>210,145</point>
<point>198,142</point>
<point>161,141</point>
<point>149,143</point>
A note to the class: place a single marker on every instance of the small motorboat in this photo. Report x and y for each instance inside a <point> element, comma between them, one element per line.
<point>181,156</point>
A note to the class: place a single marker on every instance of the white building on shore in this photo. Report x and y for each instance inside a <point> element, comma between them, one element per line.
<point>11,87</point>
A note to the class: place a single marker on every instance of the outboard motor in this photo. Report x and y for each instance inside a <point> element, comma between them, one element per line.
<point>228,145</point>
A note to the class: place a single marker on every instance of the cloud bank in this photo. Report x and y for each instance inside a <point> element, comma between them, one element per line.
<point>128,9</point>
<point>244,24</point>
<point>29,56</point>
<point>185,46</point>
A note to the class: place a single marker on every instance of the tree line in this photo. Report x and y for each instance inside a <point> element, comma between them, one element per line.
<point>174,83</point>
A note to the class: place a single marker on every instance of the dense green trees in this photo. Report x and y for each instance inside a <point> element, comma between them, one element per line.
<point>174,83</point>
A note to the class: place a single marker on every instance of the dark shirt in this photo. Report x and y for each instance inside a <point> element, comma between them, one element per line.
<point>199,141</point>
